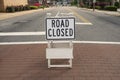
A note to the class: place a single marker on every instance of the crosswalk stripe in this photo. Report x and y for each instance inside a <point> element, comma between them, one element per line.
<point>21,33</point>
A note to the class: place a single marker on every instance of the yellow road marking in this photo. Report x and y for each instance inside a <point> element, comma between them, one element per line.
<point>79,16</point>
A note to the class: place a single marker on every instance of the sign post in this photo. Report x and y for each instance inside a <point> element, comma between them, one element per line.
<point>60,29</point>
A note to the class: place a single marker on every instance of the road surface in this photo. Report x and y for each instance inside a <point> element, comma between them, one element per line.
<point>90,26</point>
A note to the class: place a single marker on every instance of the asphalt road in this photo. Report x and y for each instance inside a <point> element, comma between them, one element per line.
<point>104,27</point>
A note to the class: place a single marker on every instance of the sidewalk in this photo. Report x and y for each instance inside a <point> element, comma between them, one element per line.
<point>113,13</point>
<point>91,62</point>
<point>10,15</point>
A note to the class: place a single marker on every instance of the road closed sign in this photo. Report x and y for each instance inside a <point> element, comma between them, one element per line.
<point>60,28</point>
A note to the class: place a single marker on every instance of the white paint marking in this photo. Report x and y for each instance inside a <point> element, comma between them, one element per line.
<point>57,14</point>
<point>21,33</point>
<point>21,43</point>
<point>96,42</point>
<point>79,23</point>
<point>67,14</point>
<point>45,42</point>
<point>49,14</point>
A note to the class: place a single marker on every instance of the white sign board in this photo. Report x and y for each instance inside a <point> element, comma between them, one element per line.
<point>60,28</point>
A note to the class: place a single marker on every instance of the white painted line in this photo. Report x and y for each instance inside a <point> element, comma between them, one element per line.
<point>21,43</point>
<point>49,14</point>
<point>32,42</point>
<point>21,33</point>
<point>57,14</point>
<point>70,13</point>
<point>67,13</point>
<point>45,42</point>
<point>79,23</point>
<point>96,42</point>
